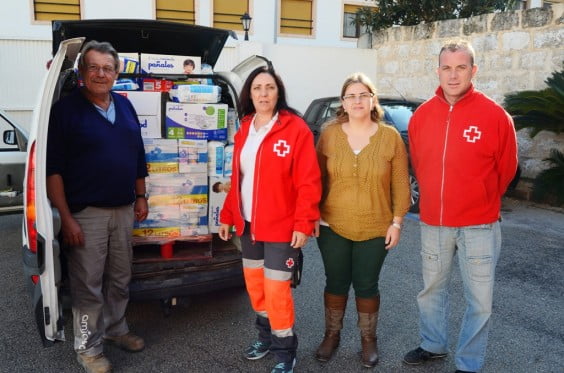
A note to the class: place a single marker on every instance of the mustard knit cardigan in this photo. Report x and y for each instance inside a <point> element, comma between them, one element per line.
<point>362,193</point>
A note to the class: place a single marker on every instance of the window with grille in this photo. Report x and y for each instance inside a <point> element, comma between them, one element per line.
<point>350,29</point>
<point>176,11</point>
<point>227,13</point>
<point>48,10</point>
<point>296,17</point>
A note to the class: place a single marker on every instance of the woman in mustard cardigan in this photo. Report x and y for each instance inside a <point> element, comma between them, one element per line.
<point>366,194</point>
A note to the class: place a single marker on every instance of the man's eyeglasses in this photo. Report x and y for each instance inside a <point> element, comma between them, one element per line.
<point>363,96</point>
<point>107,70</point>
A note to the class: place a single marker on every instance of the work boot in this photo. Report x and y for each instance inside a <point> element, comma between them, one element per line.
<point>367,322</point>
<point>128,342</point>
<point>334,312</point>
<point>94,364</point>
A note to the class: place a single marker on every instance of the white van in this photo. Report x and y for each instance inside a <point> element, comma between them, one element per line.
<point>154,277</point>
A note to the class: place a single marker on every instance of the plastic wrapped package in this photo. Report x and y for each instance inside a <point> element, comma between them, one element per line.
<point>195,93</point>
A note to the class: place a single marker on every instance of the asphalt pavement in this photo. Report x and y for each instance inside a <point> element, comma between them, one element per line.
<point>207,333</point>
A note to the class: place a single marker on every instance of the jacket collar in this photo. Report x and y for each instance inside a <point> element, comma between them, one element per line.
<point>441,94</point>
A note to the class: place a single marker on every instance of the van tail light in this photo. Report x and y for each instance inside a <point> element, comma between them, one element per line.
<point>30,213</point>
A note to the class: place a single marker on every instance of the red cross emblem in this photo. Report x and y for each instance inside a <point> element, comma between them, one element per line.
<point>281,148</point>
<point>472,134</point>
<point>290,263</point>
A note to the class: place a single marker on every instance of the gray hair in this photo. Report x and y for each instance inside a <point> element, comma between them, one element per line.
<point>458,45</point>
<point>102,47</point>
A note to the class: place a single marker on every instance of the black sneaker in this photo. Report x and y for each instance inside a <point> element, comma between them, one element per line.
<point>284,367</point>
<point>257,350</point>
<point>463,371</point>
<point>419,356</point>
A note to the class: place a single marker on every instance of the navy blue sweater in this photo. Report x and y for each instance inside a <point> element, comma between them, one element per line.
<point>98,161</point>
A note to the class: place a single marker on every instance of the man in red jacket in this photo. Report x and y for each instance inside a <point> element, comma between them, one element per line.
<point>464,153</point>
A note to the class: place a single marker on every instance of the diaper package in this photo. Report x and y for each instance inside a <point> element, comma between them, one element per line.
<point>228,160</point>
<point>169,64</point>
<point>128,63</point>
<point>161,155</point>
<point>192,156</point>
<point>196,121</point>
<point>219,186</point>
<point>195,93</point>
<point>216,158</point>
<point>232,125</point>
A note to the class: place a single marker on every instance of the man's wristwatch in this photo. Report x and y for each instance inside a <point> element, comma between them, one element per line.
<point>146,196</point>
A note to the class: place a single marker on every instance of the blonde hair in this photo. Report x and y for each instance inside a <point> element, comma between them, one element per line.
<point>376,114</point>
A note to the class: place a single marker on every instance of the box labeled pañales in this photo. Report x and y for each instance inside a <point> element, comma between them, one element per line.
<point>169,64</point>
<point>219,186</point>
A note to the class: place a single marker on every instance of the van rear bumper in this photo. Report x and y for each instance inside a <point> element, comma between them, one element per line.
<point>196,280</point>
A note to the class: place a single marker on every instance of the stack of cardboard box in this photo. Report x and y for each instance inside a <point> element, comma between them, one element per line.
<point>187,146</point>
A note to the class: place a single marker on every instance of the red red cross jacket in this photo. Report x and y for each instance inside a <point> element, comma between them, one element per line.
<point>464,156</point>
<point>287,182</point>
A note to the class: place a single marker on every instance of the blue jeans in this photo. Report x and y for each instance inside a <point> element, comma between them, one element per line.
<point>478,249</point>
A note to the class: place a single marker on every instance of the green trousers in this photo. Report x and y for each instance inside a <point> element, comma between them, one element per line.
<point>347,261</point>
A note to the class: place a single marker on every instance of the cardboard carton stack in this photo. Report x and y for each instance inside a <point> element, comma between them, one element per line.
<point>187,144</point>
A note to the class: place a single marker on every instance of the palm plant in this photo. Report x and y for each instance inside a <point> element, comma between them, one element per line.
<point>538,111</point>
<point>550,182</point>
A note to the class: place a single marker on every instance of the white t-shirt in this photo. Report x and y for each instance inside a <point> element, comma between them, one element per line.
<point>248,160</point>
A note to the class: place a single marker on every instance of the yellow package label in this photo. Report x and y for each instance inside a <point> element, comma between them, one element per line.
<point>162,167</point>
<point>178,199</point>
<point>157,232</point>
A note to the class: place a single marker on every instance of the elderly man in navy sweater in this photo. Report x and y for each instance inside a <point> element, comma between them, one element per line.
<point>96,179</point>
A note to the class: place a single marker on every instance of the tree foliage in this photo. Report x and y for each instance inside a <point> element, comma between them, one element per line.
<point>413,12</point>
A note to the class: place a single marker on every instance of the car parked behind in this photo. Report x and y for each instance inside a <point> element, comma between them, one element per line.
<point>397,112</point>
<point>12,164</point>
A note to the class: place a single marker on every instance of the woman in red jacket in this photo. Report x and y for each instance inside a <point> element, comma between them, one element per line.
<point>273,204</point>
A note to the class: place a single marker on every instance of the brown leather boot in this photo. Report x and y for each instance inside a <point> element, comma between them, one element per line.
<point>334,311</point>
<point>367,322</point>
<point>94,364</point>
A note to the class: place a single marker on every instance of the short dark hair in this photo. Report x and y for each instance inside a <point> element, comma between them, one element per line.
<point>455,45</point>
<point>102,47</point>
<point>215,187</point>
<point>246,102</point>
<point>190,62</point>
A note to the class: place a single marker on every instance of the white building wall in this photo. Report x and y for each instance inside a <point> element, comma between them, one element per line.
<point>321,73</point>
<point>136,9</point>
<point>25,47</point>
<point>16,22</point>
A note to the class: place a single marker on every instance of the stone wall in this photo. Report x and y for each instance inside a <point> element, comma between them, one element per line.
<point>515,51</point>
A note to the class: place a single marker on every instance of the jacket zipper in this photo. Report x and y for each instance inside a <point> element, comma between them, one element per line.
<point>443,164</point>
